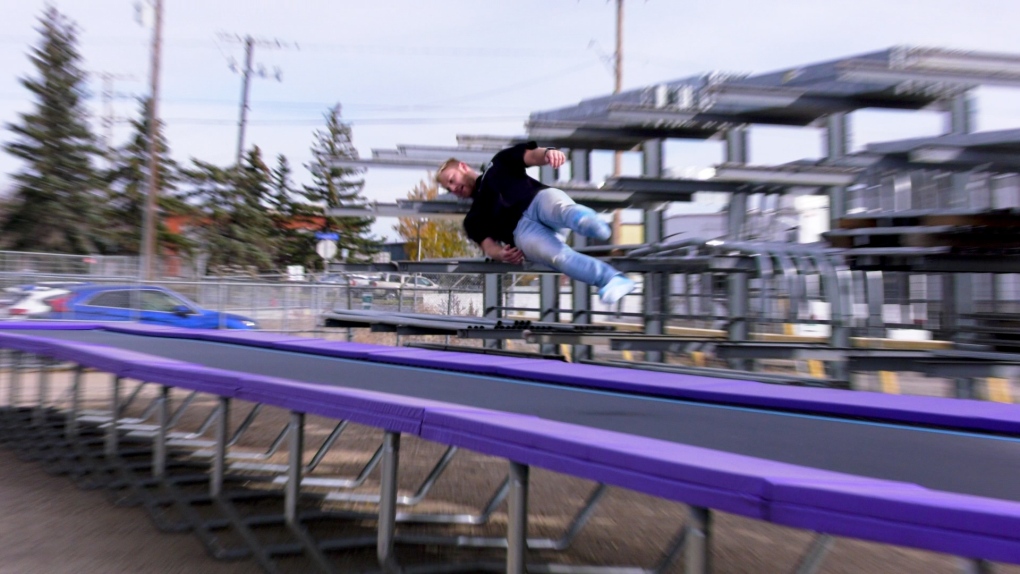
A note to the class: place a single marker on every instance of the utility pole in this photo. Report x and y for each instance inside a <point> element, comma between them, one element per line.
<point>618,62</point>
<point>246,73</point>
<point>617,86</point>
<point>149,218</point>
<point>249,49</point>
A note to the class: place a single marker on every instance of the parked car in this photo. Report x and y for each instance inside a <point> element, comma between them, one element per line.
<point>354,280</point>
<point>33,303</point>
<point>359,284</point>
<point>43,286</point>
<point>348,279</point>
<point>332,279</point>
<point>388,285</point>
<point>143,303</point>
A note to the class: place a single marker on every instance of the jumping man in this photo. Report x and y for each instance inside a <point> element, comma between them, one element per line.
<point>514,217</point>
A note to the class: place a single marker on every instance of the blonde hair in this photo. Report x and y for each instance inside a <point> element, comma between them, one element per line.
<point>445,166</point>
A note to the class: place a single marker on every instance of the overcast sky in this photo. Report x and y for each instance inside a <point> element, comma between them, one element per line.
<point>421,72</point>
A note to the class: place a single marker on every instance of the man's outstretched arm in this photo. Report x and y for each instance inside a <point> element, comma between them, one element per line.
<point>544,156</point>
<point>498,252</point>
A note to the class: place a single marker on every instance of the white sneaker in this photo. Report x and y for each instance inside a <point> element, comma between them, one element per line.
<point>615,290</point>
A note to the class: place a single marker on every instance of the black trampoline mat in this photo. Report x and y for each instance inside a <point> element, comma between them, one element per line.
<point>949,461</point>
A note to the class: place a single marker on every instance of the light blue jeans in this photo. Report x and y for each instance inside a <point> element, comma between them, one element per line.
<point>537,236</point>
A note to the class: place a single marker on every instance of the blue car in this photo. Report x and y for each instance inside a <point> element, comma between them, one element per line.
<point>142,303</point>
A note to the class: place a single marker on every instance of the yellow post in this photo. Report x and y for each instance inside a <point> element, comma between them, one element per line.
<point>998,390</point>
<point>816,368</point>
<point>890,384</point>
<point>699,358</point>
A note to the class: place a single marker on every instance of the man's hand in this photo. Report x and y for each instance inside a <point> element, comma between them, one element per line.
<point>504,253</point>
<point>511,255</point>
<point>555,157</point>
<point>544,156</point>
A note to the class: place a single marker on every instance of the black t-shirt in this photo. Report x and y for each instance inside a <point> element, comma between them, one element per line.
<point>502,193</point>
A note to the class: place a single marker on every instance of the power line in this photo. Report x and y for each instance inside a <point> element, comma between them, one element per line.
<point>526,83</point>
<point>364,121</point>
<point>108,117</point>
<point>545,53</point>
<point>319,106</point>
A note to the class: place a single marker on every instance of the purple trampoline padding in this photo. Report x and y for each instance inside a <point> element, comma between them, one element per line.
<point>788,494</point>
<point>960,543</point>
<point>676,488</point>
<point>897,502</point>
<point>26,343</point>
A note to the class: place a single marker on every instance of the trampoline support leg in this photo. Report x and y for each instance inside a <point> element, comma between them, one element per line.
<point>517,519</point>
<point>111,431</point>
<point>296,446</point>
<point>159,441</point>
<point>39,416</point>
<point>815,554</point>
<point>388,504</point>
<point>975,566</point>
<point>14,390</point>
<point>220,456</point>
<point>71,423</point>
<point>697,557</point>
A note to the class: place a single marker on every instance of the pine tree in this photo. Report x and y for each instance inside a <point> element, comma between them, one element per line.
<point>234,225</point>
<point>128,188</point>
<point>293,219</point>
<point>332,187</point>
<point>55,199</point>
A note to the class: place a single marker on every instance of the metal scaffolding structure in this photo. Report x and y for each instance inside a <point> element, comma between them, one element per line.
<point>725,107</point>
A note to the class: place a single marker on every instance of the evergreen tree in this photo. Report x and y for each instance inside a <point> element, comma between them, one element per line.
<point>127,190</point>
<point>294,220</point>
<point>55,202</point>
<point>234,224</point>
<point>332,187</point>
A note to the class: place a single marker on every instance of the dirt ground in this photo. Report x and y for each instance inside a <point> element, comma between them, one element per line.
<point>50,524</point>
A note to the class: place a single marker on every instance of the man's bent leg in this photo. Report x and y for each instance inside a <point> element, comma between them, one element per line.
<point>555,209</point>
<point>541,244</point>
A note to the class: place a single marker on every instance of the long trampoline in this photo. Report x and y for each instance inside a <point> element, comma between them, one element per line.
<point>936,474</point>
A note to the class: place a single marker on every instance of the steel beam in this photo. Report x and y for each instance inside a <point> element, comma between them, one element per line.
<point>517,520</point>
<point>386,542</point>
<point>655,299</point>
<point>580,292</point>
<point>492,300</point>
<point>295,466</point>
